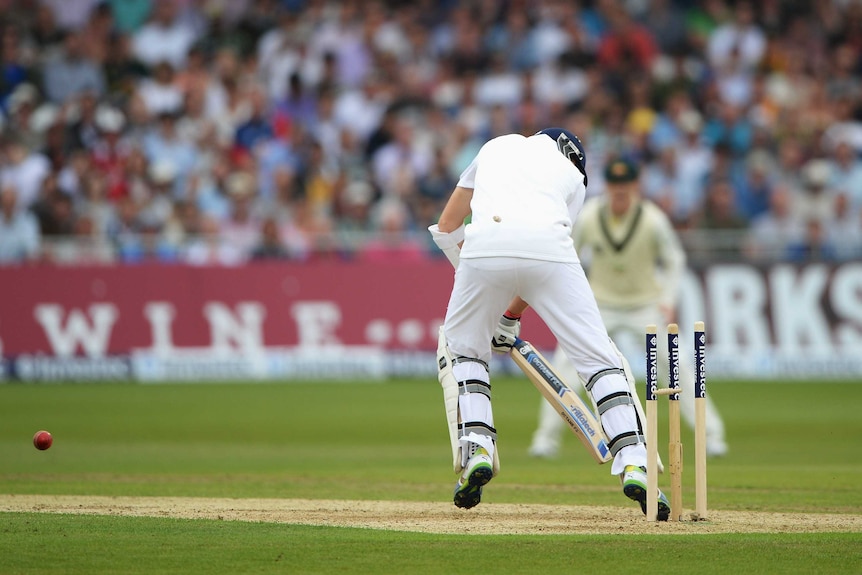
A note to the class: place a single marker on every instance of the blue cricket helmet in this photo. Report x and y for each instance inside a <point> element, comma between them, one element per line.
<point>570,146</point>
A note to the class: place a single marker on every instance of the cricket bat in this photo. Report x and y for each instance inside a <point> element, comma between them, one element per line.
<point>565,401</point>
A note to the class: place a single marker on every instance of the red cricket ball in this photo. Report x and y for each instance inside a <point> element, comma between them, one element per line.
<point>42,440</point>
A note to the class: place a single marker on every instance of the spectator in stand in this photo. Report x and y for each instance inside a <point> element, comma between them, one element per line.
<point>660,180</point>
<point>354,209</point>
<point>771,234</point>
<point>298,107</point>
<point>242,227</point>
<point>45,34</point>
<point>158,207</point>
<point>499,85</point>
<point>719,210</point>
<point>790,159</point>
<point>165,38</point>
<point>627,47</point>
<point>195,127</point>
<point>164,144</point>
<point>845,233</point>
<point>694,160</point>
<point>390,244</point>
<point>814,246</point>
<point>19,230</point>
<point>667,25</point>
<point>14,70</point>
<point>60,217</point>
<point>159,92</point>
<point>321,180</point>
<point>731,127</point>
<point>83,128</point>
<point>109,152</point>
<point>70,178</point>
<point>844,81</point>
<point>740,39</point>
<point>125,230</point>
<point>270,246</point>
<point>361,109</point>
<point>754,188</point>
<point>844,126</point>
<point>22,170</point>
<point>97,33</point>
<point>71,14</point>
<point>210,248</point>
<point>70,73</point>
<point>847,176</point>
<point>55,140</point>
<point>712,80</point>
<point>718,214</point>
<point>21,107</point>
<point>87,246</point>
<point>95,205</point>
<point>816,200</point>
<point>209,190</point>
<point>123,72</point>
<point>257,127</point>
<point>130,15</point>
<point>398,164</point>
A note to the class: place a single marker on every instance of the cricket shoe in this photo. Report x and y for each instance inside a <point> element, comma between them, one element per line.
<point>543,450</point>
<point>716,448</point>
<point>479,471</point>
<point>634,486</point>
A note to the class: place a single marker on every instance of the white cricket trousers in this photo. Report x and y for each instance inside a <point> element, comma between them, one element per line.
<point>562,297</point>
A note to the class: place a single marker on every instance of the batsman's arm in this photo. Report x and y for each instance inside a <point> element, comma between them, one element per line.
<point>517,307</point>
<point>448,233</point>
<point>456,210</point>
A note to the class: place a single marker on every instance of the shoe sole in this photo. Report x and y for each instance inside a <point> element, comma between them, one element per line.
<point>637,493</point>
<point>470,494</point>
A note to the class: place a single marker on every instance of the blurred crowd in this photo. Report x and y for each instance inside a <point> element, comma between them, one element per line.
<point>219,131</point>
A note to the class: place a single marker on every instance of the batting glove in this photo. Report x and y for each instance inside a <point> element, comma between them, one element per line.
<point>507,330</point>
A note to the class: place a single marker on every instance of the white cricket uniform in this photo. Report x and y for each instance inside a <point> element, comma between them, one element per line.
<point>526,195</point>
<point>635,264</point>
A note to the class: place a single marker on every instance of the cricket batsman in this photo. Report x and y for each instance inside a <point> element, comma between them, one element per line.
<point>523,195</point>
<point>635,266</point>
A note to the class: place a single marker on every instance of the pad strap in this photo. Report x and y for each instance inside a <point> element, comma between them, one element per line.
<point>624,440</point>
<point>600,374</point>
<point>464,359</point>
<point>614,400</point>
<point>474,386</point>
<point>478,428</point>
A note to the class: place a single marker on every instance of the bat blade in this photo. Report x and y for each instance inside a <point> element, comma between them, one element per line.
<point>568,405</point>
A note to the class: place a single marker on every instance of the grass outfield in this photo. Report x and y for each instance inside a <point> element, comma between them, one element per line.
<point>795,448</point>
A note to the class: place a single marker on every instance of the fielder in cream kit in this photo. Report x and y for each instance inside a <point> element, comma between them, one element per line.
<point>634,261</point>
<point>522,195</point>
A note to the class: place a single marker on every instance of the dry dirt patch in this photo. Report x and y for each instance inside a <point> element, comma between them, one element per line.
<point>492,518</point>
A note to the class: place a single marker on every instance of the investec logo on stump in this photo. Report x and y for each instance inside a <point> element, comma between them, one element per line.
<point>653,365</point>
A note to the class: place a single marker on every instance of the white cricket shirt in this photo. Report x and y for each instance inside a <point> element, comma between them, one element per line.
<point>526,195</point>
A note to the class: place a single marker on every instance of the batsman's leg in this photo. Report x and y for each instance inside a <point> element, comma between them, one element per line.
<point>562,297</point>
<point>467,398</point>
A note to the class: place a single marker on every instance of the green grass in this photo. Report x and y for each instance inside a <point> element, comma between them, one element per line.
<point>41,544</point>
<point>794,447</point>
